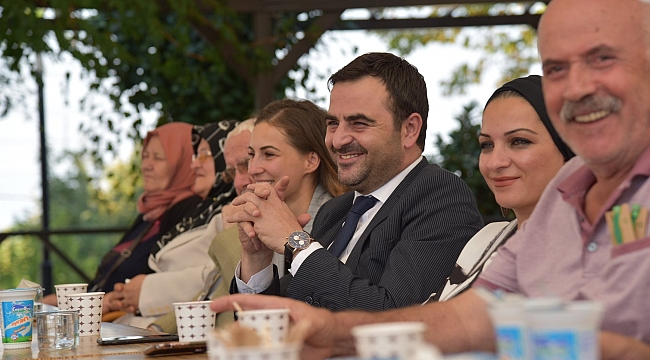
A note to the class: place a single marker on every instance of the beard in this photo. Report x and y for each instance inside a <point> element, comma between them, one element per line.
<point>376,169</point>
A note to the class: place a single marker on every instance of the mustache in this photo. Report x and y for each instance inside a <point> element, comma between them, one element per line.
<point>349,148</point>
<point>589,104</point>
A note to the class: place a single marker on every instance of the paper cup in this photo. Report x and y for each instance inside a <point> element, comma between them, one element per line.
<point>65,289</point>
<point>271,324</point>
<point>396,340</point>
<point>89,306</point>
<point>216,351</point>
<point>194,320</point>
<point>270,352</point>
<point>569,333</point>
<point>57,330</point>
<point>17,317</point>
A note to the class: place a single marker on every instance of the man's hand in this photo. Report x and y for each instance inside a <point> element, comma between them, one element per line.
<point>322,335</point>
<point>130,293</point>
<point>621,347</point>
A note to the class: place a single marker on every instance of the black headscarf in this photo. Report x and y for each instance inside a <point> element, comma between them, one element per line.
<point>221,192</point>
<point>530,87</point>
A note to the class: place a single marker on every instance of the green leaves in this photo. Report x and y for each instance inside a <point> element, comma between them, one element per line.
<point>511,49</point>
<point>460,155</point>
<point>192,61</point>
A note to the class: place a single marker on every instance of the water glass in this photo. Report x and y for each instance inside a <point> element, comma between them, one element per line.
<point>57,330</point>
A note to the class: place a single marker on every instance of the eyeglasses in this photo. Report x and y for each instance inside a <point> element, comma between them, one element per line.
<point>203,156</point>
<point>229,174</point>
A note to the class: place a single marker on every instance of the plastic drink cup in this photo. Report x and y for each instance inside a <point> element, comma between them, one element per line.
<point>509,321</point>
<point>566,334</point>
<point>38,299</point>
<point>17,317</point>
<point>194,320</point>
<point>270,324</point>
<point>63,289</point>
<point>57,330</point>
<point>394,340</point>
<point>89,306</point>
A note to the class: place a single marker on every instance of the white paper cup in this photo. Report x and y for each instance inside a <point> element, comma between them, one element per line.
<point>17,317</point>
<point>268,352</point>
<point>194,320</point>
<point>570,333</point>
<point>89,306</point>
<point>395,340</point>
<point>271,324</point>
<point>64,289</point>
<point>57,330</point>
<point>216,351</point>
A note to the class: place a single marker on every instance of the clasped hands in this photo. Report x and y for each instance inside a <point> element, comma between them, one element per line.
<point>264,220</point>
<point>125,296</point>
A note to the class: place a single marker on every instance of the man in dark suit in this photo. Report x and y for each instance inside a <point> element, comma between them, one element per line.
<point>417,216</point>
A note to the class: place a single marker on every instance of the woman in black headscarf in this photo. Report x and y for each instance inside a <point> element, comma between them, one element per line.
<point>180,259</point>
<point>520,153</point>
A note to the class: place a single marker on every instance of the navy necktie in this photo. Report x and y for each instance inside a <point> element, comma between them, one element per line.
<point>360,206</point>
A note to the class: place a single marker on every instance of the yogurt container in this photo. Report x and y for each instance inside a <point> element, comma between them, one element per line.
<point>16,317</point>
<point>567,334</point>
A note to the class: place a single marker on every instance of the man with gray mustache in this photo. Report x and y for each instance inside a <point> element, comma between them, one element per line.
<point>577,243</point>
<point>417,216</point>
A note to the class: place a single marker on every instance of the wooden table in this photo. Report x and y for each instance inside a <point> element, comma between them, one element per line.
<point>88,348</point>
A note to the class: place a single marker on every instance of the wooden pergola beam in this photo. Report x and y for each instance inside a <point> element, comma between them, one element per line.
<point>315,31</point>
<point>340,5</point>
<point>440,22</point>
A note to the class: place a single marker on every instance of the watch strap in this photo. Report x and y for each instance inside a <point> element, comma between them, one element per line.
<point>288,255</point>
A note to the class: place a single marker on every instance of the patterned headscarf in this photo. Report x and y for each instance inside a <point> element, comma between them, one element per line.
<point>221,192</point>
<point>530,87</point>
<point>176,139</point>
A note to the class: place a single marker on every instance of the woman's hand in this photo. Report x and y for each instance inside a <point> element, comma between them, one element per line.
<point>130,293</point>
<point>112,301</point>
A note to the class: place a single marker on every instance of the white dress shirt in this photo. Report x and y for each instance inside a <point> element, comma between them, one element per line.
<point>262,280</point>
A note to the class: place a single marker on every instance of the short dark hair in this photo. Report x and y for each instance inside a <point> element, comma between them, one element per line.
<point>405,85</point>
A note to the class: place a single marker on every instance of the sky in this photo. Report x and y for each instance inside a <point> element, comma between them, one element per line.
<point>19,137</point>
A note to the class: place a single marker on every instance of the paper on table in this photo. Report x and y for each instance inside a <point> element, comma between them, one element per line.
<point>26,284</point>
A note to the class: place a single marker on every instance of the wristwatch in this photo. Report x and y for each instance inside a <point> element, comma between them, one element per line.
<point>298,240</point>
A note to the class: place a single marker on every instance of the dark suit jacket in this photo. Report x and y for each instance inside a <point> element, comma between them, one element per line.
<point>406,252</point>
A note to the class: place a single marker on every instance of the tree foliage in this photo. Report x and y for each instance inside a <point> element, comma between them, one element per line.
<point>512,49</point>
<point>193,61</point>
<point>77,202</point>
<point>460,155</point>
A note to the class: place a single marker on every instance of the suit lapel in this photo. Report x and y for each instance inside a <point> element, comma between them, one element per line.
<point>334,218</point>
<point>386,209</point>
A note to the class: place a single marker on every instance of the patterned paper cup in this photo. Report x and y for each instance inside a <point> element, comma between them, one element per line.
<point>194,320</point>
<point>65,289</point>
<point>89,306</point>
<point>397,340</point>
<point>272,324</point>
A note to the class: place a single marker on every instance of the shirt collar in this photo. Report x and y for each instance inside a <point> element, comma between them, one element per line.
<point>383,193</point>
<point>583,178</point>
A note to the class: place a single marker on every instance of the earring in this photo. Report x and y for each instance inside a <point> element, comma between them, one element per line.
<point>505,211</point>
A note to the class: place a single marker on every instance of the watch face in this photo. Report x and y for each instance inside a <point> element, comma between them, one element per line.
<point>299,240</point>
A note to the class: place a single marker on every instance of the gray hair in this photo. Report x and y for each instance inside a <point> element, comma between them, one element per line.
<point>246,125</point>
